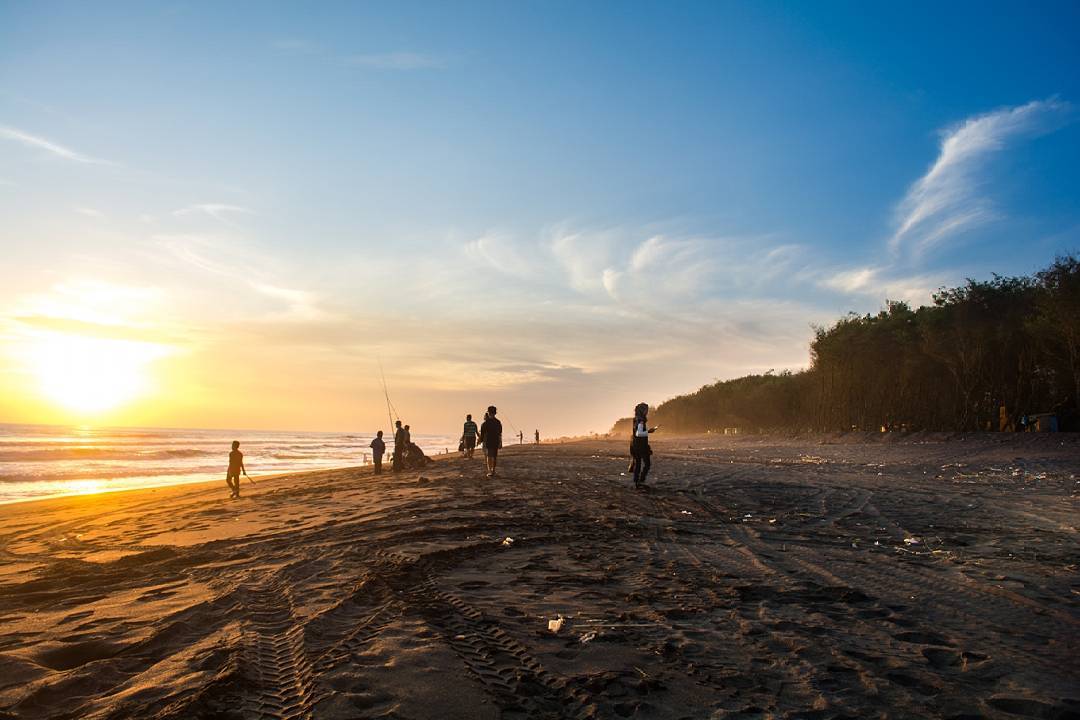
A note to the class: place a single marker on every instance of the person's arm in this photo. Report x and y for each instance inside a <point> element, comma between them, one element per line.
<point>242,468</point>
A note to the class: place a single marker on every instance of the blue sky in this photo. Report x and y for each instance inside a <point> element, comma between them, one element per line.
<point>570,206</point>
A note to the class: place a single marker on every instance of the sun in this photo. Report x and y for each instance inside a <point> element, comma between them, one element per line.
<point>87,375</point>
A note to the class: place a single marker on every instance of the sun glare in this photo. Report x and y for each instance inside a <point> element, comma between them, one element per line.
<point>91,375</point>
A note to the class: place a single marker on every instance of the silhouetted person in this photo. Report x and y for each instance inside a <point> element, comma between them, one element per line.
<point>406,451</point>
<point>468,435</point>
<point>521,437</point>
<point>378,447</point>
<point>399,447</point>
<point>491,437</point>
<point>536,434</point>
<point>639,445</point>
<point>236,466</point>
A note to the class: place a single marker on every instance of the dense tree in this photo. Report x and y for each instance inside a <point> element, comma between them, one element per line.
<point>1006,342</point>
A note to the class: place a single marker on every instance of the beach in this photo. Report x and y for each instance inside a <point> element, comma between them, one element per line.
<point>848,576</point>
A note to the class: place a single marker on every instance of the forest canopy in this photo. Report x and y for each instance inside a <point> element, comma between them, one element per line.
<point>1011,342</point>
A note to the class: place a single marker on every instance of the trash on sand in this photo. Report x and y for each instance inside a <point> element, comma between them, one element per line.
<point>912,541</point>
<point>772,521</point>
<point>556,624</point>
<point>587,637</point>
<point>508,542</point>
<point>686,512</point>
<point>747,515</point>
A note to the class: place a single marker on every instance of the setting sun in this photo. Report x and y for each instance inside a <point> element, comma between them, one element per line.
<point>88,374</point>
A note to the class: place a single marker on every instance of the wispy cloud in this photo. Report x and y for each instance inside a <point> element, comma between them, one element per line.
<point>40,143</point>
<point>218,211</point>
<point>880,284</point>
<point>395,61</point>
<point>946,201</point>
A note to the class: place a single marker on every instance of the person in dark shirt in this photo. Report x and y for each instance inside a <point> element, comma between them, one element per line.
<point>378,447</point>
<point>491,437</point>
<point>640,452</point>
<point>236,466</point>
<point>399,447</point>
<point>468,436</point>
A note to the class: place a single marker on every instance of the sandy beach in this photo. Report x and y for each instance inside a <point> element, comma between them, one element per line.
<point>842,577</point>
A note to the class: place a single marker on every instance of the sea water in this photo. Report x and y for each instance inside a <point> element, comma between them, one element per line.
<point>39,461</point>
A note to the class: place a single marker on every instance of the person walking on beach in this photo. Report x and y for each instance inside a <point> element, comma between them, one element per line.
<point>491,437</point>
<point>468,435</point>
<point>399,447</point>
<point>640,452</point>
<point>536,434</point>
<point>236,466</point>
<point>521,437</point>
<point>378,447</point>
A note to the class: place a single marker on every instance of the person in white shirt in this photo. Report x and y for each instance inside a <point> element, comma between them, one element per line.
<point>640,452</point>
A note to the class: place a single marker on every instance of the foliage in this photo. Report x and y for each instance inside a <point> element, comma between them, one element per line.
<point>1008,341</point>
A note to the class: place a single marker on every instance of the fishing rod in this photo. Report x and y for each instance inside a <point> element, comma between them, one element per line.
<point>390,411</point>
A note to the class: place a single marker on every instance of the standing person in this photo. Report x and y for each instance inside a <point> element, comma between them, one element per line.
<point>468,434</point>
<point>521,437</point>
<point>640,452</point>
<point>399,446</point>
<point>491,437</point>
<point>536,434</point>
<point>406,451</point>
<point>378,447</point>
<point>236,466</point>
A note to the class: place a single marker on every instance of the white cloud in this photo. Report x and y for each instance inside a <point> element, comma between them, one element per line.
<point>945,201</point>
<point>218,211</point>
<point>875,282</point>
<point>395,61</point>
<point>40,143</point>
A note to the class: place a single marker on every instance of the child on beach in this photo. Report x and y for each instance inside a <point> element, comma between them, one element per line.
<point>468,436</point>
<point>378,447</point>
<point>640,452</point>
<point>236,466</point>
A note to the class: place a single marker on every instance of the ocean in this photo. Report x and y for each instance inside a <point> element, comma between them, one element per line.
<point>40,461</point>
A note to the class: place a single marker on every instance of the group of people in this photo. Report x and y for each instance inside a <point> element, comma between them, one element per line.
<point>488,434</point>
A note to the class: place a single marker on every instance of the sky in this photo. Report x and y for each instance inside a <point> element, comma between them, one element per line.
<point>232,214</point>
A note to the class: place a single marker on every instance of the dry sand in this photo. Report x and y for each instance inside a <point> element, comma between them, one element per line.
<point>762,578</point>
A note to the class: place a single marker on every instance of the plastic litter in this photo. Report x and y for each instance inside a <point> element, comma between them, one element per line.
<point>912,541</point>
<point>587,637</point>
<point>556,624</point>
<point>508,542</point>
<point>686,512</point>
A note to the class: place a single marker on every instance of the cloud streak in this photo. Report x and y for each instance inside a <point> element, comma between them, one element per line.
<point>395,61</point>
<point>945,201</point>
<point>39,143</point>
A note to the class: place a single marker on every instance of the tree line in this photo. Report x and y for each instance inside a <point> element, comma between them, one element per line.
<point>1011,342</point>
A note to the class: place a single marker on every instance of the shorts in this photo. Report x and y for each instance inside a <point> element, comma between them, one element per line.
<point>232,475</point>
<point>491,451</point>
<point>470,442</point>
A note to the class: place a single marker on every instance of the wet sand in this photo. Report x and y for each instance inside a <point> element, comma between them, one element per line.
<point>846,577</point>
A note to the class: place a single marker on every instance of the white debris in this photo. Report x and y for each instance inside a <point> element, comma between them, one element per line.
<point>912,541</point>
<point>556,624</point>
<point>508,542</point>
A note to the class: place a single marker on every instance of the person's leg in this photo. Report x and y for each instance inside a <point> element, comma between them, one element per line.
<point>635,465</point>
<point>494,461</point>
<point>647,464</point>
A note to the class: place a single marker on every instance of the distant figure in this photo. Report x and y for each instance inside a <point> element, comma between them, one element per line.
<point>536,434</point>
<point>640,452</point>
<point>399,447</point>
<point>378,447</point>
<point>491,437</point>
<point>521,437</point>
<point>236,466</point>
<point>468,436</point>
